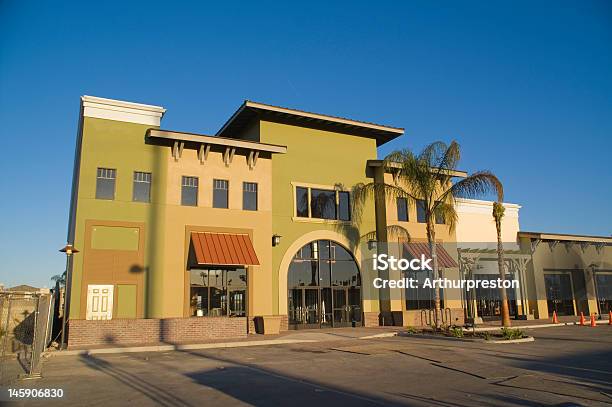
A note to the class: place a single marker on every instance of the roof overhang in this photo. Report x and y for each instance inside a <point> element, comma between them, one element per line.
<point>566,237</point>
<point>390,166</point>
<point>215,141</point>
<point>249,110</point>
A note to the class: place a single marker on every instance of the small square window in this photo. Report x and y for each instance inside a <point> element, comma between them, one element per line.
<point>249,196</point>
<point>323,203</point>
<point>189,191</point>
<point>105,183</point>
<point>141,191</point>
<point>220,193</point>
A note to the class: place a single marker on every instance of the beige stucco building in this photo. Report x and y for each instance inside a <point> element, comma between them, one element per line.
<point>185,237</point>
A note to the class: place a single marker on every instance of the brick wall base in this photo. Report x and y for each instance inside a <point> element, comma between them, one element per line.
<point>147,331</point>
<point>371,319</point>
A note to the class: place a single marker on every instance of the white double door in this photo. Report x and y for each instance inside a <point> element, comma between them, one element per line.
<point>99,301</point>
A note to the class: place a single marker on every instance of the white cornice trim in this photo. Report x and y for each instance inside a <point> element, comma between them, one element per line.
<point>480,206</point>
<point>119,110</point>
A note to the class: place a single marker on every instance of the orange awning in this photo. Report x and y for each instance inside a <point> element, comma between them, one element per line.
<point>223,249</point>
<point>444,259</point>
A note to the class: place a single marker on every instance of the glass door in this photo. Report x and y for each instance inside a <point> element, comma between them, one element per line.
<point>311,307</point>
<point>304,308</point>
<point>326,307</point>
<point>603,288</point>
<point>559,294</point>
<point>341,309</point>
<point>354,304</point>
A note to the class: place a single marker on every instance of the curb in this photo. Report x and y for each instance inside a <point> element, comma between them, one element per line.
<point>165,348</point>
<point>504,341</point>
<point>384,335</point>
<point>549,325</point>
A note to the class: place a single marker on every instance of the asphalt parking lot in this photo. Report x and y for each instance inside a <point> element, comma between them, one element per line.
<point>565,366</point>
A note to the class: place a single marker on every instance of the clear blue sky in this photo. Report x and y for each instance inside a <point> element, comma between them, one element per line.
<point>525,87</point>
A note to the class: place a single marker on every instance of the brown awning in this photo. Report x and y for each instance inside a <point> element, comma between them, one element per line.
<point>444,259</point>
<point>223,249</point>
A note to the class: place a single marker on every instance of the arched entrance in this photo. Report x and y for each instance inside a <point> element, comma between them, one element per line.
<point>324,287</point>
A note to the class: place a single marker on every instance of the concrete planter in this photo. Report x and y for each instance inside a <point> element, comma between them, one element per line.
<point>268,324</point>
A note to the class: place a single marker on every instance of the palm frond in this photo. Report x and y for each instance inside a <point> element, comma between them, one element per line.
<point>393,231</point>
<point>448,212</point>
<point>476,185</point>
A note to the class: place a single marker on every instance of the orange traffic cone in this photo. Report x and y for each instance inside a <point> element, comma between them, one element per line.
<point>609,317</point>
<point>593,324</point>
<point>582,318</point>
<point>555,319</point>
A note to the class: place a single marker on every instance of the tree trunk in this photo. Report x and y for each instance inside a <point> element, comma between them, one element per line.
<point>505,311</point>
<point>431,238</point>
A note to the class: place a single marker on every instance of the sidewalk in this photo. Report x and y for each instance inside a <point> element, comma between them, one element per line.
<point>287,337</point>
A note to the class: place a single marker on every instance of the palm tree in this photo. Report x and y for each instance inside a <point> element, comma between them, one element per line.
<point>426,178</point>
<point>59,279</point>
<point>498,214</point>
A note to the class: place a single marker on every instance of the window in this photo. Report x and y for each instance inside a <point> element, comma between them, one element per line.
<point>420,205</point>
<point>220,190</point>
<point>322,204</point>
<point>301,204</point>
<point>439,217</point>
<point>249,196</point>
<point>189,191</point>
<point>105,183</point>
<point>421,297</point>
<point>216,293</point>
<point>142,187</point>
<point>402,209</point>
<point>344,205</point>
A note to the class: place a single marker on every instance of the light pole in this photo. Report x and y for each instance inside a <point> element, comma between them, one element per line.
<point>69,250</point>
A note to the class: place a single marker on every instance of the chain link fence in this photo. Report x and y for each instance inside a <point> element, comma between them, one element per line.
<point>25,329</point>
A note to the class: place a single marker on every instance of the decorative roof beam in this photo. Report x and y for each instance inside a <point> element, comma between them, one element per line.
<point>177,150</point>
<point>203,152</point>
<point>228,155</point>
<point>534,245</point>
<point>252,158</point>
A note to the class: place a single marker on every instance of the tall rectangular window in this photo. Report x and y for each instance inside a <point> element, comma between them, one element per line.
<point>105,183</point>
<point>420,206</point>
<point>189,191</point>
<point>344,205</point>
<point>301,202</point>
<point>141,191</point>
<point>440,220</point>
<point>402,209</point>
<point>249,196</point>
<point>323,204</point>
<point>220,193</point>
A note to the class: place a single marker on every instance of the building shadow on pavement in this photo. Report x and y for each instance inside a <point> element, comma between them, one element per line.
<point>154,392</point>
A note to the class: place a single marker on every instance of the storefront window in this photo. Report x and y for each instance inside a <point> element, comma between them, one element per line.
<point>218,292</point>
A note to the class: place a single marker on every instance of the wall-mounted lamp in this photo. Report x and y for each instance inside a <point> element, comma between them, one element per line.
<point>372,244</point>
<point>276,240</point>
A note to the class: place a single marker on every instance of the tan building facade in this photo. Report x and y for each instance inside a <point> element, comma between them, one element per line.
<point>185,237</point>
